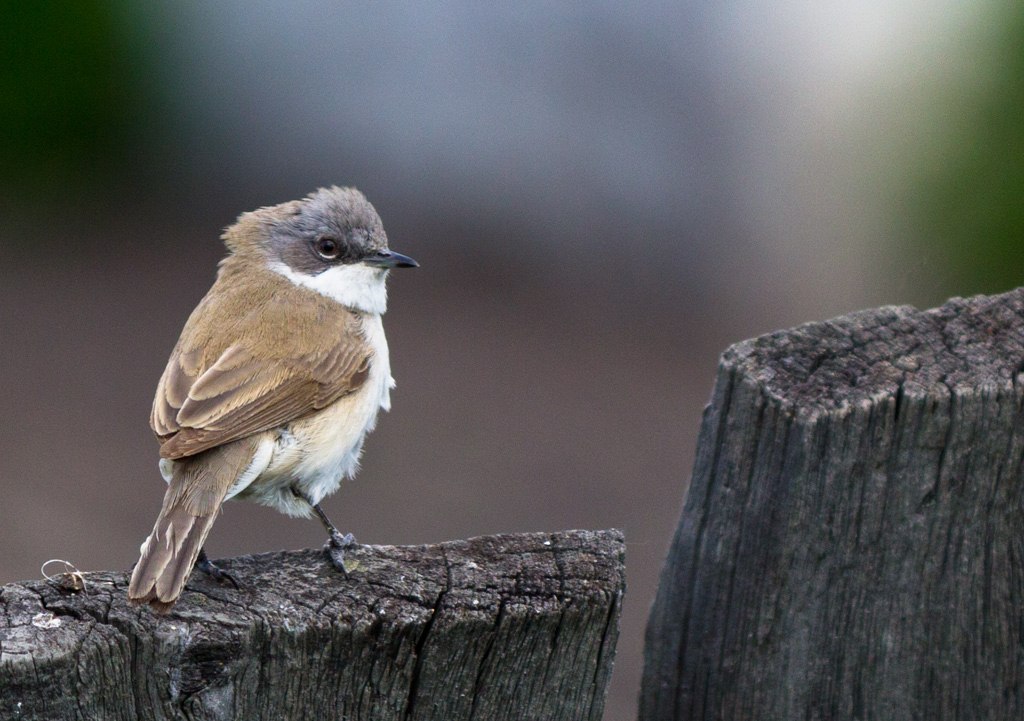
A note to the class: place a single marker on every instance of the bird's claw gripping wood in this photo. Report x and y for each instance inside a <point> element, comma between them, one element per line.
<point>337,542</point>
<point>204,564</point>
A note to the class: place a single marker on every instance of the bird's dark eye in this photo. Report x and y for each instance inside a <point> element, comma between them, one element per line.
<point>327,248</point>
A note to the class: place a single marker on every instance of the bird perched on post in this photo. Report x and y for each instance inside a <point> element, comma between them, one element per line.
<point>275,381</point>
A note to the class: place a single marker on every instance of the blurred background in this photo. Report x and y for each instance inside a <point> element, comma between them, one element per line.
<point>602,196</point>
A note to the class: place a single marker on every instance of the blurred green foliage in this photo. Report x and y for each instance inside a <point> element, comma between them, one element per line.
<point>970,206</point>
<point>69,99</point>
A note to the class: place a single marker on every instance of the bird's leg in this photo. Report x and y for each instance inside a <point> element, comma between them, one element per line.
<point>338,539</point>
<point>338,542</point>
<point>204,564</point>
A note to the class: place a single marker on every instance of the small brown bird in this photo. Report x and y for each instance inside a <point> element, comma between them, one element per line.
<point>275,381</point>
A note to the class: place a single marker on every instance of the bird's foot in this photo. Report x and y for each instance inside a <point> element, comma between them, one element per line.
<point>204,564</point>
<point>336,546</point>
<point>342,541</point>
<point>337,543</point>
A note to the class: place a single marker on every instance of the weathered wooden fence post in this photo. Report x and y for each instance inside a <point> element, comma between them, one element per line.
<point>852,546</point>
<point>501,627</point>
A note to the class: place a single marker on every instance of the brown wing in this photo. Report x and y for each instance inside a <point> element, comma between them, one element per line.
<point>244,392</point>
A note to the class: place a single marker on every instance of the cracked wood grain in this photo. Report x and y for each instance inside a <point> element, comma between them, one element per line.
<point>852,541</point>
<point>501,627</point>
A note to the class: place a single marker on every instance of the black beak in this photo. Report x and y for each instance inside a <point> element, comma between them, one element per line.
<point>390,259</point>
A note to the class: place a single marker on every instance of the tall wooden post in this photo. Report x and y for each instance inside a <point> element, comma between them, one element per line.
<point>852,546</point>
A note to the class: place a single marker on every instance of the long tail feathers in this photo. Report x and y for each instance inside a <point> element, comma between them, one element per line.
<point>190,507</point>
<point>168,556</point>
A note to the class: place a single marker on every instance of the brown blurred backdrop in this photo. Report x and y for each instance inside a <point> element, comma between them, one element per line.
<point>602,198</point>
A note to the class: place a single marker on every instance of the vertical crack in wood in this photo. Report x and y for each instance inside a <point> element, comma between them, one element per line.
<point>421,642</point>
<point>609,636</point>
<point>485,658</point>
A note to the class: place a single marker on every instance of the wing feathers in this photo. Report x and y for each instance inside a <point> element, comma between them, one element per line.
<point>172,392</point>
<point>246,421</point>
<point>181,377</point>
<point>219,392</point>
<point>246,389</point>
<point>223,379</point>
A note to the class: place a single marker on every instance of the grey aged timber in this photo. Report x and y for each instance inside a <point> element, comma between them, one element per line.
<point>852,546</point>
<point>502,627</point>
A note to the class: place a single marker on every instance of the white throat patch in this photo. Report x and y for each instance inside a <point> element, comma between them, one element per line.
<point>357,285</point>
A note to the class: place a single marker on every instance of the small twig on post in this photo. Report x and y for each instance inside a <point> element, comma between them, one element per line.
<point>853,538</point>
<point>500,627</point>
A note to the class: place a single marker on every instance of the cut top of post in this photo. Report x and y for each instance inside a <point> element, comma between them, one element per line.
<point>962,346</point>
